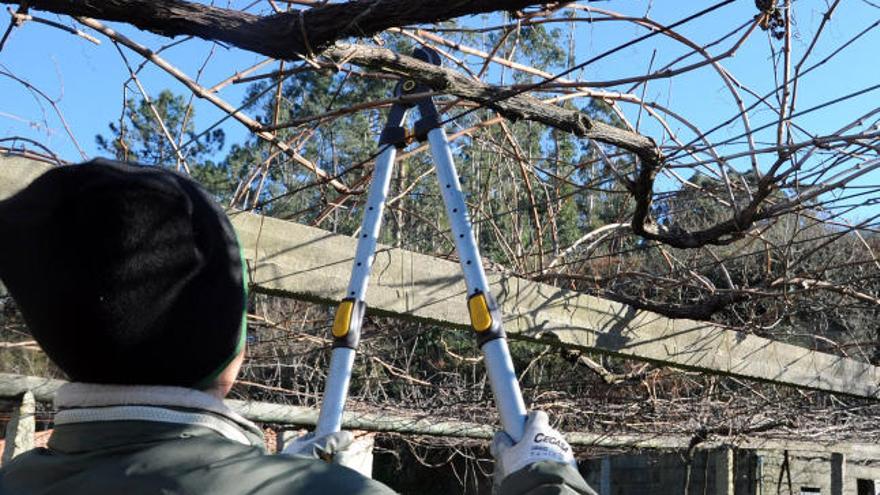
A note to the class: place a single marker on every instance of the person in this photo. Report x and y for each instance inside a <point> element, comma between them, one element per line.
<point>131,280</point>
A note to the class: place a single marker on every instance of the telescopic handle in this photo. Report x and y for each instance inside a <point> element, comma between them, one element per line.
<point>484,311</point>
<point>350,311</point>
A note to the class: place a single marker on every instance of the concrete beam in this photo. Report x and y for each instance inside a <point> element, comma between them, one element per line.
<point>311,264</point>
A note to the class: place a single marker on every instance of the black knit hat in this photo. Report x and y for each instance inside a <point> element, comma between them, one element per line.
<point>125,274</point>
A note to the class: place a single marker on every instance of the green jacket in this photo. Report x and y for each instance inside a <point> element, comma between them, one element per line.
<point>188,445</point>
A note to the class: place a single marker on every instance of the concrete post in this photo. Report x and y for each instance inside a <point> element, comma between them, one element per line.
<point>759,474</point>
<point>838,474</point>
<point>724,484</point>
<point>605,476</point>
<point>20,429</point>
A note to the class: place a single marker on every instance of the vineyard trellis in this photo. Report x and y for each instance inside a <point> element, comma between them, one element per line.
<point>586,172</point>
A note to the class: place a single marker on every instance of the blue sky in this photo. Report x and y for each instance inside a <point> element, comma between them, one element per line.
<point>86,80</point>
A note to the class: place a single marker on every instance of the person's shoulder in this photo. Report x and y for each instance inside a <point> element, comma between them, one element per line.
<point>299,475</point>
<point>28,473</point>
<point>193,465</point>
<point>227,467</point>
<point>25,461</point>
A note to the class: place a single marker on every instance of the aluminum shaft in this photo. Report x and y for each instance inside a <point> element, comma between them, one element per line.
<point>499,365</point>
<point>342,358</point>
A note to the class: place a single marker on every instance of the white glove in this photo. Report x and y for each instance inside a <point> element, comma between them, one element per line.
<point>338,448</point>
<point>540,442</point>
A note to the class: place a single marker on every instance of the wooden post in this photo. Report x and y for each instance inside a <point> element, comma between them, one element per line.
<point>838,474</point>
<point>724,471</point>
<point>20,430</point>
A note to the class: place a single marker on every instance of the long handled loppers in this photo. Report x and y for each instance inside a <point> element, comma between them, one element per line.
<point>485,313</point>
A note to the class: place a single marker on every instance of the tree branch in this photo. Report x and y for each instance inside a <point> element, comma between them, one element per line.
<point>701,311</point>
<point>506,102</point>
<point>287,35</point>
<point>291,35</point>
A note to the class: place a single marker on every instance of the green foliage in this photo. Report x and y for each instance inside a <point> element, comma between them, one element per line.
<point>151,133</point>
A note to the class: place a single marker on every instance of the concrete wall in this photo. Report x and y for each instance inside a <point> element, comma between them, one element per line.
<point>803,470</point>
<point>658,473</point>
<point>729,472</point>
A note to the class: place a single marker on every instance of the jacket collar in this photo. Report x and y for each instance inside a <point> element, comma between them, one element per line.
<point>94,403</point>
